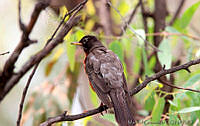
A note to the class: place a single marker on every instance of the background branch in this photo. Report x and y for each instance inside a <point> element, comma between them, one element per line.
<point>4,53</point>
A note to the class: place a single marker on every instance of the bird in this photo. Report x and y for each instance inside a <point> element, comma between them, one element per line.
<point>106,76</point>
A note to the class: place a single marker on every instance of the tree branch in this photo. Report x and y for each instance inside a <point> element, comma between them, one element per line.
<point>24,94</point>
<point>173,86</point>
<point>21,24</point>
<point>132,92</point>
<point>4,53</point>
<point>64,117</point>
<point>162,73</point>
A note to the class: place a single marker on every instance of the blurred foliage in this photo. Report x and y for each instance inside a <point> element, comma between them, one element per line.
<point>131,46</point>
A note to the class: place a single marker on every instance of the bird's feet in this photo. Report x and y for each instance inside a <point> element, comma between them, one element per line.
<point>104,107</point>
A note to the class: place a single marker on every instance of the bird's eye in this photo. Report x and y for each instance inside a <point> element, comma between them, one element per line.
<point>85,40</point>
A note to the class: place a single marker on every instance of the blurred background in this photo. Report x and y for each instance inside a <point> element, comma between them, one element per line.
<point>60,82</point>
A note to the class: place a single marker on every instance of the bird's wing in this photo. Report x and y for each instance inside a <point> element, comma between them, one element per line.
<point>92,66</point>
<point>106,68</point>
<point>112,70</point>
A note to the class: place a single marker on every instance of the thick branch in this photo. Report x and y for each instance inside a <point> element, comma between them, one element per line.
<point>65,117</point>
<point>160,14</point>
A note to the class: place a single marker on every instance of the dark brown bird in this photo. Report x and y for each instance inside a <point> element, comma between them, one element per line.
<point>106,75</point>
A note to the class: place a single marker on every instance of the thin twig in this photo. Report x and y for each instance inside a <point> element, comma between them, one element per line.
<point>164,33</point>
<point>173,86</point>
<point>21,24</point>
<point>162,73</point>
<point>177,12</point>
<point>24,94</point>
<point>4,53</point>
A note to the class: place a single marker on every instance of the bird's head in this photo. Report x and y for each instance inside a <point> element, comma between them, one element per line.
<point>88,42</point>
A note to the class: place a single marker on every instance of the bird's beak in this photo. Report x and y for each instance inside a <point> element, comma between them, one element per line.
<point>76,43</point>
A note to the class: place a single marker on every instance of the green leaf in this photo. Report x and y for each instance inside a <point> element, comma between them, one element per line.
<point>149,100</point>
<point>173,120</point>
<point>189,109</point>
<point>110,117</point>
<point>183,22</point>
<point>116,47</point>
<point>140,34</point>
<point>171,29</point>
<point>165,56</point>
<point>178,101</point>
<point>158,110</point>
<point>127,44</point>
<point>172,103</point>
<point>71,49</point>
<point>144,56</point>
<point>195,100</point>
<point>79,34</point>
<point>192,80</point>
<point>137,59</point>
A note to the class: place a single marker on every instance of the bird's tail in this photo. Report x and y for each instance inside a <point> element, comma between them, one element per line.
<point>121,103</point>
